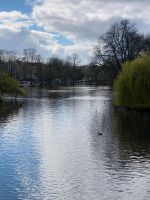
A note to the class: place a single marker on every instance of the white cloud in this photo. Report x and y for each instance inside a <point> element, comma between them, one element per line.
<point>86,18</point>
<point>45,43</point>
<point>14,20</point>
<point>83,21</point>
<point>80,21</point>
<point>13,15</point>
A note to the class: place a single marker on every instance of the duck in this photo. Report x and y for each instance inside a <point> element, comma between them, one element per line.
<point>99,133</point>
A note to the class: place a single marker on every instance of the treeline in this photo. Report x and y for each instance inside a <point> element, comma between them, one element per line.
<point>120,43</point>
<point>32,69</point>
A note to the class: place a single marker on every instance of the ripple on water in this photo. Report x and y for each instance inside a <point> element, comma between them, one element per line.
<point>50,148</point>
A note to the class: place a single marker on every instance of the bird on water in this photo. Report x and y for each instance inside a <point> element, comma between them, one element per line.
<point>99,133</point>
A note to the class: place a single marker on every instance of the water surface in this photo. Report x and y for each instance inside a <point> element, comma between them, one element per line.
<point>50,148</point>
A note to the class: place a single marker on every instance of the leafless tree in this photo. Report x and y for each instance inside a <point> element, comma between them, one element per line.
<point>120,43</point>
<point>74,59</point>
<point>29,55</point>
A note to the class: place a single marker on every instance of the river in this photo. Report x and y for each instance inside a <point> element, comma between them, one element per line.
<point>50,148</point>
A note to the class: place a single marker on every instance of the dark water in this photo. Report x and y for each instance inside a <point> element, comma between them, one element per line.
<point>50,148</point>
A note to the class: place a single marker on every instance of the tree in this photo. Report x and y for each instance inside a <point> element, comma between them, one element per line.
<point>75,59</point>
<point>132,85</point>
<point>120,43</point>
<point>29,55</point>
<point>146,44</point>
<point>8,85</point>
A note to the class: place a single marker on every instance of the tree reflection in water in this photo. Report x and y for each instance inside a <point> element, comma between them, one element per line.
<point>133,131</point>
<point>9,109</point>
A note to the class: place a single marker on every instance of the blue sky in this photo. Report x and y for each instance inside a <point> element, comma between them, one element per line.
<point>20,5</point>
<point>25,6</point>
<point>64,27</point>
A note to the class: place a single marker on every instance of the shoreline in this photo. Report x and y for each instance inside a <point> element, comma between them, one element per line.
<point>129,109</point>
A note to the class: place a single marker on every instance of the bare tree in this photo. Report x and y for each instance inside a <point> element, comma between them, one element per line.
<point>120,43</point>
<point>74,59</point>
<point>29,55</point>
<point>146,44</point>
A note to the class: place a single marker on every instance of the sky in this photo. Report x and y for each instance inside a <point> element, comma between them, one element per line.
<point>64,27</point>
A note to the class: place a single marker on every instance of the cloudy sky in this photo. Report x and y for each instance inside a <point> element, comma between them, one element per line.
<point>63,27</point>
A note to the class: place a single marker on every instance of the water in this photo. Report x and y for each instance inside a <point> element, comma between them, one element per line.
<point>50,148</point>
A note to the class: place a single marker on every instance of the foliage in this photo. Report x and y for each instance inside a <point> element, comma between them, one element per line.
<point>132,87</point>
<point>8,85</point>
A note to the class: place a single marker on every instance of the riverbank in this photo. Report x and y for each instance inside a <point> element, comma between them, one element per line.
<point>126,109</point>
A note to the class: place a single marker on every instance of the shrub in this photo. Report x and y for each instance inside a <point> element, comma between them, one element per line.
<point>132,86</point>
<point>8,85</point>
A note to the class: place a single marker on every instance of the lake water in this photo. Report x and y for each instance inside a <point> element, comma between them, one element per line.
<point>50,148</point>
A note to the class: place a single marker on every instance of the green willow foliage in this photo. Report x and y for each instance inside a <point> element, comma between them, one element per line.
<point>8,85</point>
<point>132,86</point>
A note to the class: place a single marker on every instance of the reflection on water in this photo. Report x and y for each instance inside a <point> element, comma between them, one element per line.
<point>9,109</point>
<point>50,147</point>
<point>133,131</point>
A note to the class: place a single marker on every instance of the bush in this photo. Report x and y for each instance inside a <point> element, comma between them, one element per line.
<point>8,85</point>
<point>132,87</point>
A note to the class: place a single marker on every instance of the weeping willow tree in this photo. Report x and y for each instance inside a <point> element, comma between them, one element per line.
<point>8,85</point>
<point>132,87</point>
